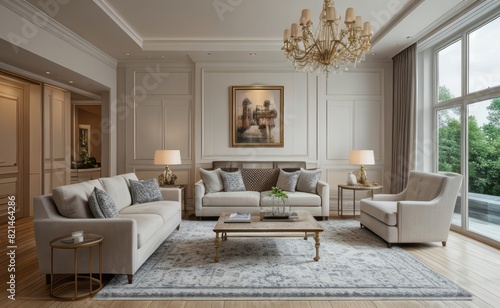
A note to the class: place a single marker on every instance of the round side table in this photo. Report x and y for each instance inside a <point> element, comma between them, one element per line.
<point>94,284</point>
<point>354,188</point>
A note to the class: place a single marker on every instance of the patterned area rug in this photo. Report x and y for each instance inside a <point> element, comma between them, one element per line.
<point>355,264</point>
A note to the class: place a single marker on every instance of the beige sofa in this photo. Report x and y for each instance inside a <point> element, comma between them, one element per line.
<point>128,240</point>
<point>214,203</point>
<point>420,213</point>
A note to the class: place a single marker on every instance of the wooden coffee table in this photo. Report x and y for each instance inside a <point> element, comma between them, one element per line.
<point>306,223</point>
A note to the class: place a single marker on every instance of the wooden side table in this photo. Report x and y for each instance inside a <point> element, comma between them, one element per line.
<point>354,188</point>
<point>94,284</point>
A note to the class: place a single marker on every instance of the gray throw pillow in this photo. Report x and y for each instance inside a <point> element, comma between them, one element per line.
<point>101,205</point>
<point>212,180</point>
<point>232,181</point>
<point>308,180</point>
<point>288,180</point>
<point>145,191</point>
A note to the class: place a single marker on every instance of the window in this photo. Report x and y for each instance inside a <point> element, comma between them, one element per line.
<point>468,127</point>
<point>484,60</point>
<point>449,71</point>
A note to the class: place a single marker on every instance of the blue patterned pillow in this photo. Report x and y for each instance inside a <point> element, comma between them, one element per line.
<point>145,191</point>
<point>232,181</point>
<point>101,205</point>
<point>288,180</point>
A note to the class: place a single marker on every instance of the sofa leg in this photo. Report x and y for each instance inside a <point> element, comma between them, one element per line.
<point>325,217</point>
<point>444,243</point>
<point>361,225</point>
<point>389,245</point>
<point>47,278</point>
<point>130,278</point>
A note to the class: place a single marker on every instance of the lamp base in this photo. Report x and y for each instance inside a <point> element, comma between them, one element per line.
<point>167,177</point>
<point>362,179</point>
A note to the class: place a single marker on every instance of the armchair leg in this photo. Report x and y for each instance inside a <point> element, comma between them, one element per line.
<point>47,278</point>
<point>444,243</point>
<point>389,245</point>
<point>361,225</point>
<point>178,227</point>
<point>130,278</point>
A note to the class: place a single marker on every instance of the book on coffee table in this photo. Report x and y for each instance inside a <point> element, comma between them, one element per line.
<point>239,217</point>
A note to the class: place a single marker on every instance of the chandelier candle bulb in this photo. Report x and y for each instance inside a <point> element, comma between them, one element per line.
<point>358,23</point>
<point>367,29</point>
<point>286,35</point>
<point>330,13</point>
<point>295,30</point>
<point>306,14</point>
<point>349,15</point>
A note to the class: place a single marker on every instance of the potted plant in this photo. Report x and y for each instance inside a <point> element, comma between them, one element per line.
<point>279,204</point>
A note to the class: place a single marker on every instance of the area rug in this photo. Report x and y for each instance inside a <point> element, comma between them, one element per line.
<point>354,264</point>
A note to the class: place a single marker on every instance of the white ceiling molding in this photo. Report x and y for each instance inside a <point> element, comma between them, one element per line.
<point>103,4</point>
<point>212,45</point>
<point>35,16</point>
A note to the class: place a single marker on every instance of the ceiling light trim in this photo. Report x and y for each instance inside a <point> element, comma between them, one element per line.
<point>108,10</point>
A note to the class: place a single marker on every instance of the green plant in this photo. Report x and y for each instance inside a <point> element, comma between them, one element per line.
<point>277,193</point>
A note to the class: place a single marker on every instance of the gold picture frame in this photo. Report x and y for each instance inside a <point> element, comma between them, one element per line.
<point>257,116</point>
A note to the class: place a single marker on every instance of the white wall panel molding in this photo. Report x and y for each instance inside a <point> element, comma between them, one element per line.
<point>357,82</point>
<point>213,110</point>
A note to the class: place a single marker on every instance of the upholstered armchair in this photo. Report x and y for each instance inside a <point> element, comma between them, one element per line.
<point>420,213</point>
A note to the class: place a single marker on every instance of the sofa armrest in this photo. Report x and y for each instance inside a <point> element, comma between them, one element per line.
<point>171,194</point>
<point>119,246</point>
<point>199,192</point>
<point>323,190</point>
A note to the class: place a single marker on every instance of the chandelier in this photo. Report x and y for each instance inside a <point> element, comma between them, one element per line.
<point>335,47</point>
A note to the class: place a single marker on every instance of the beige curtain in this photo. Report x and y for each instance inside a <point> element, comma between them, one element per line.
<point>403,118</point>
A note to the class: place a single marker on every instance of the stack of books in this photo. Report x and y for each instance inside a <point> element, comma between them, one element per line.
<point>239,217</point>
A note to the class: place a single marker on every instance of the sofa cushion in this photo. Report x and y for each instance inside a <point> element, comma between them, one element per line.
<point>117,188</point>
<point>232,181</point>
<point>259,179</point>
<point>101,205</point>
<point>231,199</point>
<point>308,180</point>
<point>295,198</point>
<point>385,211</point>
<point>72,200</point>
<point>212,180</point>
<point>288,180</point>
<point>145,191</point>
<point>166,209</point>
<point>147,226</point>
<point>425,186</point>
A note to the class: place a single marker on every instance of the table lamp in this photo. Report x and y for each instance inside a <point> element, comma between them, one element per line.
<point>362,157</point>
<point>167,157</point>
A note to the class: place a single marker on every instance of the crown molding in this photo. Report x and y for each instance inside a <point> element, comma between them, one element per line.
<point>212,45</point>
<point>39,18</point>
<point>106,8</point>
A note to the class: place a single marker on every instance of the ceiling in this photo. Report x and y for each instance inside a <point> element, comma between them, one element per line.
<point>235,30</point>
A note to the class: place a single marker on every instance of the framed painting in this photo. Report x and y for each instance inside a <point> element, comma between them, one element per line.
<point>257,116</point>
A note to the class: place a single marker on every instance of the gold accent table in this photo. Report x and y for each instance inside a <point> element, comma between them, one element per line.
<point>354,188</point>
<point>89,241</point>
<point>305,223</point>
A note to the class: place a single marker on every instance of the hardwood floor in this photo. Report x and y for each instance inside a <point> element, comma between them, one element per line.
<point>469,263</point>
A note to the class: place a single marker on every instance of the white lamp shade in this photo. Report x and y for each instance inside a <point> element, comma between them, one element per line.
<point>361,157</point>
<point>167,157</point>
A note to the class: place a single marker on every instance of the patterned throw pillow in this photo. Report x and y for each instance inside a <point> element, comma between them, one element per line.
<point>288,180</point>
<point>308,180</point>
<point>145,191</point>
<point>212,180</point>
<point>232,181</point>
<point>259,179</point>
<point>101,205</point>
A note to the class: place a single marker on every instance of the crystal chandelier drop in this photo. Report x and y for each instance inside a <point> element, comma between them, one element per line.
<point>335,47</point>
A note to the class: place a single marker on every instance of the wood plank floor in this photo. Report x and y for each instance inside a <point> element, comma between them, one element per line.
<point>471,264</point>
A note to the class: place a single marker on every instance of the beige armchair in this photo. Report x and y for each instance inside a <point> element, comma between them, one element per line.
<point>420,213</point>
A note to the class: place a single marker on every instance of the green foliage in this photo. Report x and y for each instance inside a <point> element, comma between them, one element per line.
<point>483,145</point>
<point>444,94</point>
<point>277,193</point>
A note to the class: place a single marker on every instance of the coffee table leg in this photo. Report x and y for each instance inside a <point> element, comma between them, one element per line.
<point>216,246</point>
<point>316,239</point>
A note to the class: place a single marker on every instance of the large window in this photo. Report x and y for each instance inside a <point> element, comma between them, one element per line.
<point>469,143</point>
